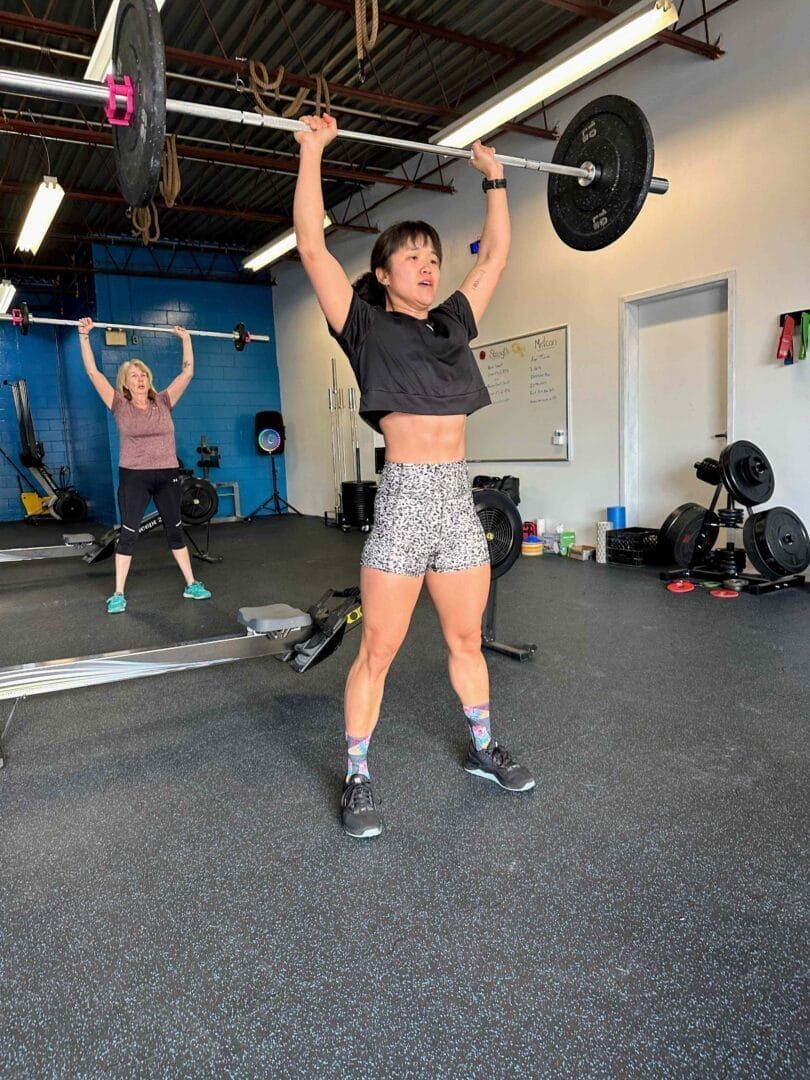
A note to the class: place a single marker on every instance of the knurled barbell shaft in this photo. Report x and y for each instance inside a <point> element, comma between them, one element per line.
<point>232,336</point>
<point>70,90</point>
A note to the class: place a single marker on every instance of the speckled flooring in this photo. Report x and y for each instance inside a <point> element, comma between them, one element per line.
<point>178,898</point>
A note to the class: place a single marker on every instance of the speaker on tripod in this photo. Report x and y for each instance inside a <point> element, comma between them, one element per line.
<point>270,440</point>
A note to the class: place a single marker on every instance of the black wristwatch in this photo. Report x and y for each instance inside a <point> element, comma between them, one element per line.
<point>489,185</point>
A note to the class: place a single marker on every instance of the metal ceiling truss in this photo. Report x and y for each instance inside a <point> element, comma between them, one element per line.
<point>275,168</point>
<point>589,10</point>
<point>701,19</point>
<point>237,275</point>
<point>100,137</point>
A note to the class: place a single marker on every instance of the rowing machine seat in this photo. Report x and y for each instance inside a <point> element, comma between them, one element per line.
<point>273,618</point>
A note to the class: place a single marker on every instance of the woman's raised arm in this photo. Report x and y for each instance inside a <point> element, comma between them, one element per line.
<point>99,381</point>
<point>332,288</point>
<point>493,250</point>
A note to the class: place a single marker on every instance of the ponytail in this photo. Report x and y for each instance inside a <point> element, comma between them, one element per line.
<point>369,289</point>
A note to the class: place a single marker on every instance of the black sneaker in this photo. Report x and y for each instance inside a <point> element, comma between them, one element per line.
<point>360,816</point>
<point>496,763</point>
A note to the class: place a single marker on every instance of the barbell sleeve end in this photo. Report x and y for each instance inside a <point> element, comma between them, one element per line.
<point>658,186</point>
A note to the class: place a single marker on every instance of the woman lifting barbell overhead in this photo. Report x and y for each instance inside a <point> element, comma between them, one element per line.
<point>418,383</point>
<point>148,466</point>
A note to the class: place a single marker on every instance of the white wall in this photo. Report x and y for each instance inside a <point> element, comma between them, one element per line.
<point>731,135</point>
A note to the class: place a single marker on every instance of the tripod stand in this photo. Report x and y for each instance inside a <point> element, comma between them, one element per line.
<point>274,497</point>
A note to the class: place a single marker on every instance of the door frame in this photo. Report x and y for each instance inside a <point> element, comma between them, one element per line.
<point>629,307</point>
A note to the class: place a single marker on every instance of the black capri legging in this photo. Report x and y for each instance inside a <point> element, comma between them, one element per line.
<point>135,488</point>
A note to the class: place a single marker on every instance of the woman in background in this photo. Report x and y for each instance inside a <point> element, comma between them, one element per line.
<point>148,466</point>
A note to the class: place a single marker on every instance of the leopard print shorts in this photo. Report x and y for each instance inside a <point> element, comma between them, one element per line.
<point>424,519</point>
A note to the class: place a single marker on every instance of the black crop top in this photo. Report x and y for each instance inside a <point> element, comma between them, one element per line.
<point>409,365</point>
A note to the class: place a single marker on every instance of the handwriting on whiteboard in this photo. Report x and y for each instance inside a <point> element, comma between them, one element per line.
<point>524,368</point>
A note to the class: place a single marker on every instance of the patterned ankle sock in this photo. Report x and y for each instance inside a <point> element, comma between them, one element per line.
<point>358,750</point>
<point>478,723</point>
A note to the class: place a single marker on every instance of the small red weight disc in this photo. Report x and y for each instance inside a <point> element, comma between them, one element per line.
<point>724,594</point>
<point>680,586</point>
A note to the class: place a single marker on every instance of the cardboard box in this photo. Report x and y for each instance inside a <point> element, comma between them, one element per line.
<point>583,552</point>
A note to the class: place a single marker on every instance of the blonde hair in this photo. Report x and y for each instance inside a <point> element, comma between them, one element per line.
<point>123,375</point>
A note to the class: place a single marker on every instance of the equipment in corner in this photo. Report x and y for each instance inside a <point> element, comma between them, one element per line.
<point>503,529</point>
<point>354,498</point>
<point>209,457</point>
<point>775,541</point>
<point>60,501</point>
<point>270,440</point>
<point>509,485</point>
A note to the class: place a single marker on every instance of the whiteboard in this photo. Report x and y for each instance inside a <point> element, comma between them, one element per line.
<point>527,378</point>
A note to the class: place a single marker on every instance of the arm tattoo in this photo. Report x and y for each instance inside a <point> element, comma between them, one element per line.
<point>477,279</point>
<point>186,364</point>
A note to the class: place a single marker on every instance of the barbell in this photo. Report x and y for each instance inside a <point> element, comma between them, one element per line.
<point>23,320</point>
<point>601,170</point>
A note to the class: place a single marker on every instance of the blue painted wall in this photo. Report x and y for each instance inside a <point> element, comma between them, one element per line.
<point>89,437</point>
<point>228,389</point>
<point>38,359</point>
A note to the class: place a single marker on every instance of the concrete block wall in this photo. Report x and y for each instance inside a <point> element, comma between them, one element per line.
<point>228,388</point>
<point>36,359</point>
<point>89,440</point>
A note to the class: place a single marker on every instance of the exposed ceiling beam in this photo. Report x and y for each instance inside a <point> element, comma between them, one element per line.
<point>96,137</point>
<point>46,26</point>
<point>205,61</point>
<point>604,14</point>
<point>223,63</point>
<point>55,237</point>
<point>17,269</point>
<point>669,37</point>
<point>637,56</point>
<point>15,187</point>
<point>432,30</point>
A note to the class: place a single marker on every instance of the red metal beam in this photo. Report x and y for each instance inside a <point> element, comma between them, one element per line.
<point>432,30</point>
<point>636,56</point>
<point>14,187</point>
<point>239,67</point>
<point>34,270</point>
<point>223,157</point>
<point>670,37</point>
<point>45,26</point>
<point>222,63</point>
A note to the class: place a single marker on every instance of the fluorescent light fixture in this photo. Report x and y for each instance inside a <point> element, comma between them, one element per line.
<point>621,34</point>
<point>275,249</point>
<point>40,215</point>
<point>100,64</point>
<point>7,292</point>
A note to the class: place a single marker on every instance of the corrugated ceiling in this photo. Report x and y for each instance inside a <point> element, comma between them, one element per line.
<point>307,38</point>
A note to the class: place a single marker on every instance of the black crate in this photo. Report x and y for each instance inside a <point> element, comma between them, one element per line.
<point>633,547</point>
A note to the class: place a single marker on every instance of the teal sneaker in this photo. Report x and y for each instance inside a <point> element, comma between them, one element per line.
<point>115,603</point>
<point>196,591</point>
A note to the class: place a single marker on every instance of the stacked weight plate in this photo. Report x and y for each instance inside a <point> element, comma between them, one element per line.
<point>775,540</point>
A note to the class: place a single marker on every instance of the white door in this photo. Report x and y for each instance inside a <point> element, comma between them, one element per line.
<point>682,396</point>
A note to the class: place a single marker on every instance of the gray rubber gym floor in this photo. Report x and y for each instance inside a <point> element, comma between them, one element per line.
<point>178,898</point>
